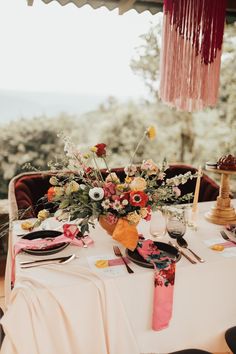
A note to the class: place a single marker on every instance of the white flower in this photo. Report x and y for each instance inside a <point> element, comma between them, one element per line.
<point>96,193</point>
<point>106,204</point>
<point>130,170</point>
<point>117,205</point>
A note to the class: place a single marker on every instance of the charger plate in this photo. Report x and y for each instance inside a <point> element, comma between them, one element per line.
<point>169,251</point>
<point>45,234</point>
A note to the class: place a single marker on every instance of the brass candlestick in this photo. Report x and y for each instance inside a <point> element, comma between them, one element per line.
<point>223,212</point>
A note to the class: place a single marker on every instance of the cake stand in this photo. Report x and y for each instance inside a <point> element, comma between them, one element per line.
<point>222,212</point>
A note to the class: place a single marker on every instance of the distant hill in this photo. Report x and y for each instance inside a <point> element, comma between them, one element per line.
<point>18,104</point>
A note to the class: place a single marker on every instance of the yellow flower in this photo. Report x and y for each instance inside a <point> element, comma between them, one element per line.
<point>134,217</point>
<point>138,184</point>
<point>59,191</point>
<point>72,187</point>
<point>151,132</point>
<point>87,156</point>
<point>94,149</point>
<point>43,214</point>
<point>27,225</point>
<point>120,187</point>
<point>143,212</point>
<point>128,180</point>
<point>53,181</point>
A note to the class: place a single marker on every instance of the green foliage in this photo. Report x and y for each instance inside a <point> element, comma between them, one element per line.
<point>181,137</point>
<point>33,141</point>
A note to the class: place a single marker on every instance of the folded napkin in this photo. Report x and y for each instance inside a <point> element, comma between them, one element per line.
<point>164,277</point>
<point>70,231</point>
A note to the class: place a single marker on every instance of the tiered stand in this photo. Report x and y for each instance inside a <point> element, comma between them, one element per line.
<point>223,212</point>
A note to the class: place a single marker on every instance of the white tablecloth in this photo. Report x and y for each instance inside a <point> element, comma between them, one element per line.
<point>58,309</point>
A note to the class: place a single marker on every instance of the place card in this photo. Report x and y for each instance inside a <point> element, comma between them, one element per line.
<point>111,271</point>
<point>228,251</point>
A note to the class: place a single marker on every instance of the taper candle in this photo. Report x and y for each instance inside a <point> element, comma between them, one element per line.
<point>197,188</point>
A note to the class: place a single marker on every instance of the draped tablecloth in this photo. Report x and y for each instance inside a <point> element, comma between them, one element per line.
<point>72,309</point>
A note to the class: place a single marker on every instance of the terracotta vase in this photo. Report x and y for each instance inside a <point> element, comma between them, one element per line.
<point>106,226</point>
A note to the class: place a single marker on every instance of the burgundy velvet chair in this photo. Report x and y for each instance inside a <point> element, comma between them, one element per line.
<point>2,334</point>
<point>27,190</point>
<point>209,189</point>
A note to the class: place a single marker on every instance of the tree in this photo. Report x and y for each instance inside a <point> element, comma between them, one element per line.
<point>227,103</point>
<point>30,141</point>
<point>147,61</point>
<point>147,65</point>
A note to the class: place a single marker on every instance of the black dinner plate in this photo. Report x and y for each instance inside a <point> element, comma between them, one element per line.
<point>45,234</point>
<point>169,250</point>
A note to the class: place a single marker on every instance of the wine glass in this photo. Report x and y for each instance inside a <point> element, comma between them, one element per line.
<point>158,224</point>
<point>176,224</point>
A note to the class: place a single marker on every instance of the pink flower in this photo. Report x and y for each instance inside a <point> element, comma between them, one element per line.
<point>109,189</point>
<point>177,191</point>
<point>70,230</point>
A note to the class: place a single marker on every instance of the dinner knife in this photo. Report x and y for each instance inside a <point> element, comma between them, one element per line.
<point>49,261</point>
<point>46,259</point>
<point>183,253</point>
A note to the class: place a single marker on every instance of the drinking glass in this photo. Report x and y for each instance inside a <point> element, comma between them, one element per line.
<point>176,223</point>
<point>158,224</point>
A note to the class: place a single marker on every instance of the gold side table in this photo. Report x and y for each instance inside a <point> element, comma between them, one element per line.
<point>222,212</point>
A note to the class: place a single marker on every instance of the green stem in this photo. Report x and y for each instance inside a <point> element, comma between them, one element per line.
<point>108,169</point>
<point>135,151</point>
<point>97,168</point>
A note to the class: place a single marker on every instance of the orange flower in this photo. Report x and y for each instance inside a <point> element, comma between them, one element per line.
<point>51,194</point>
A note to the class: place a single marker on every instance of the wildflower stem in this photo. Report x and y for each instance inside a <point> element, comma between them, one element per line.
<point>135,151</point>
<point>97,169</point>
<point>108,169</point>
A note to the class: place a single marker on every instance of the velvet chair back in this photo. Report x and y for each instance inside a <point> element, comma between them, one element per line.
<point>27,191</point>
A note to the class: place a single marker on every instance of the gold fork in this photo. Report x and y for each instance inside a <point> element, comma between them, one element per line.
<point>118,253</point>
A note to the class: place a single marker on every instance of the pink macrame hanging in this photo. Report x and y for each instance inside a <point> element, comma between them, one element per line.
<point>191,53</point>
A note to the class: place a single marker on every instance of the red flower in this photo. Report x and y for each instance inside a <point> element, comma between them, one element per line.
<point>101,150</point>
<point>149,214</point>
<point>51,194</point>
<point>138,198</point>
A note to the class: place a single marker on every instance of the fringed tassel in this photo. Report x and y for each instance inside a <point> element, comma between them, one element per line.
<point>191,53</point>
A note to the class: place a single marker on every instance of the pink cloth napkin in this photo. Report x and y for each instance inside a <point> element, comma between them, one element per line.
<point>164,277</point>
<point>70,231</point>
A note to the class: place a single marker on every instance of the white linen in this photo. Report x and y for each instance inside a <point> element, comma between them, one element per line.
<point>70,309</point>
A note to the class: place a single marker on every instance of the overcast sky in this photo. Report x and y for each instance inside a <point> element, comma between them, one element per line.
<point>67,49</point>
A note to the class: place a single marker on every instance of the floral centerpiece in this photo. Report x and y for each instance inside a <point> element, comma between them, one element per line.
<point>85,193</point>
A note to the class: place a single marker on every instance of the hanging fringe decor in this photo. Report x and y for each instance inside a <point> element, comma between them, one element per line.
<point>191,52</point>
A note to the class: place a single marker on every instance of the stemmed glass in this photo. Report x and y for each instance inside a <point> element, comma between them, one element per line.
<point>176,223</point>
<point>158,224</point>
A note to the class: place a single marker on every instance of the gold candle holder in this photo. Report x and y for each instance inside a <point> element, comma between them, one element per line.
<point>222,213</point>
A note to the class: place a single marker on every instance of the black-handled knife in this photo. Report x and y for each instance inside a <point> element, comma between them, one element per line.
<point>46,260</point>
